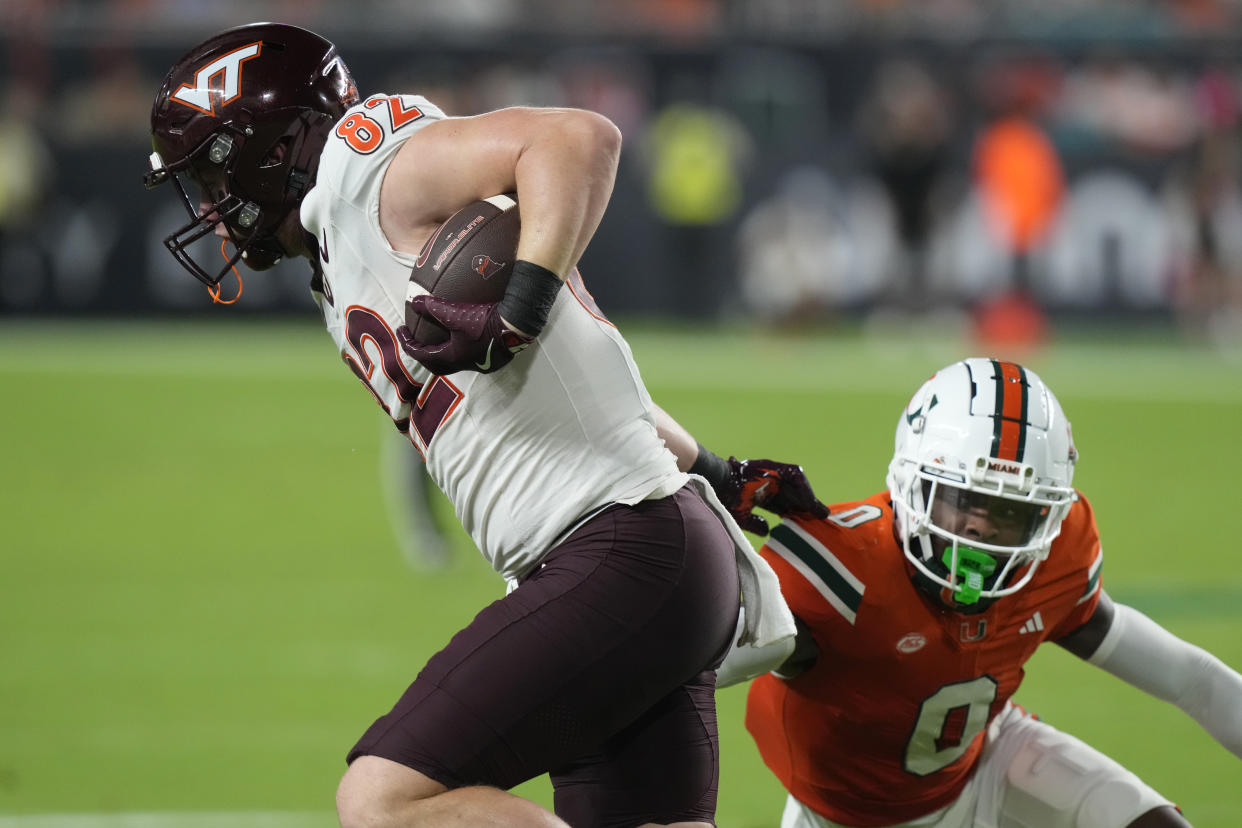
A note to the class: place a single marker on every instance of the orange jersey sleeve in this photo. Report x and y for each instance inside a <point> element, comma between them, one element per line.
<point>888,723</point>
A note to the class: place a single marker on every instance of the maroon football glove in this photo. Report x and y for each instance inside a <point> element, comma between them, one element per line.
<point>478,339</point>
<point>781,488</point>
<point>743,485</point>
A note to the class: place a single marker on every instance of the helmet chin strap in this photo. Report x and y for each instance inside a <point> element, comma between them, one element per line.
<point>214,290</point>
<point>969,568</point>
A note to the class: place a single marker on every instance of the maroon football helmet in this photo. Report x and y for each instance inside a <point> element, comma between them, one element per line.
<point>244,116</point>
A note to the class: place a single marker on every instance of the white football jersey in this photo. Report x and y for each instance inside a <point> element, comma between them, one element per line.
<point>525,453</point>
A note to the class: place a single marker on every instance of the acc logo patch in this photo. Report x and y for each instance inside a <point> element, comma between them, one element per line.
<point>202,96</point>
<point>485,265</point>
<point>911,643</point>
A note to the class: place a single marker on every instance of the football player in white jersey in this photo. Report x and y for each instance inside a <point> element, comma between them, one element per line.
<point>625,572</point>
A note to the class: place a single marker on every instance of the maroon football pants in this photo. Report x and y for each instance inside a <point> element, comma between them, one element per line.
<point>597,670</point>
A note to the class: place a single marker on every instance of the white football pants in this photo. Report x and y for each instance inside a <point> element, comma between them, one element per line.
<point>1030,775</point>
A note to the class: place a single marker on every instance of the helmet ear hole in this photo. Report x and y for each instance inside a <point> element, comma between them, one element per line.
<point>277,152</point>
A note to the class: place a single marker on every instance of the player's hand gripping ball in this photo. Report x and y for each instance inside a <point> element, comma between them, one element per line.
<point>451,320</point>
<point>478,339</point>
<point>468,259</point>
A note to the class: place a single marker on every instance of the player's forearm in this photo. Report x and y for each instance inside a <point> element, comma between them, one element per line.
<point>786,658</point>
<point>691,455</point>
<point>1140,652</point>
<point>745,662</point>
<point>676,439</point>
<point>565,175</point>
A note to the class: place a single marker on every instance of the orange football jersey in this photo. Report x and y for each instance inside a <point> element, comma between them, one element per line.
<point>889,722</point>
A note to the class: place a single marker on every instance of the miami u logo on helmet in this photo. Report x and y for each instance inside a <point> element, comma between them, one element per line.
<point>202,96</point>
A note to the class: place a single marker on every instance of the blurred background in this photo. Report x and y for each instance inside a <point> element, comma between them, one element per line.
<point>209,582</point>
<point>796,161</point>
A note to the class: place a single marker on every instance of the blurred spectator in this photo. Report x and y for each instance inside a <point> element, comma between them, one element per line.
<point>680,20</point>
<point>110,103</point>
<point>26,163</point>
<point>906,126</point>
<point>1019,176</point>
<point>695,154</point>
<point>26,185</point>
<point>413,503</point>
<point>717,100</point>
<point>813,249</point>
<point>1129,106</point>
<point>1205,210</point>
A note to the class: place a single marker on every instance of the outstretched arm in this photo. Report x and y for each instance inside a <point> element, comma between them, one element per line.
<point>743,485</point>
<point>786,659</point>
<point>676,439</point>
<point>1137,650</point>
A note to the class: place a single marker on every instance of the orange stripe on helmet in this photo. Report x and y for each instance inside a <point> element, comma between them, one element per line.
<point>1009,421</point>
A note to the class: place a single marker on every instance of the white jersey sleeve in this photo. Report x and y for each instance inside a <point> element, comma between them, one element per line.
<point>525,453</point>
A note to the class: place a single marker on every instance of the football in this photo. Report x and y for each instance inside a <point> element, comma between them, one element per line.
<point>468,259</point>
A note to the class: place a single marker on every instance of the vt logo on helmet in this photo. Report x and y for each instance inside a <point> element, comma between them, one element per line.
<point>238,126</point>
<point>980,479</point>
<point>228,69</point>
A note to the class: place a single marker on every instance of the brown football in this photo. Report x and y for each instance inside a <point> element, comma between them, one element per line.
<point>468,259</point>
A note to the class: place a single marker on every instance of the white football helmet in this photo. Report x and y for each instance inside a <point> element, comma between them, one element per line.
<point>980,478</point>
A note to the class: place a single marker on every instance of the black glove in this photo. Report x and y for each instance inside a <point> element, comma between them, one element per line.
<point>743,485</point>
<point>478,339</point>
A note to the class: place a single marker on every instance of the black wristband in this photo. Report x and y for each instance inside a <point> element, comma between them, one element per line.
<point>529,297</point>
<point>712,467</point>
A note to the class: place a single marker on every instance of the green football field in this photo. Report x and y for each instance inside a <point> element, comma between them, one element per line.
<point>203,604</point>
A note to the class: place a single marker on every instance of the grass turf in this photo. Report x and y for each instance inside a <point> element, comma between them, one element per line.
<point>203,605</point>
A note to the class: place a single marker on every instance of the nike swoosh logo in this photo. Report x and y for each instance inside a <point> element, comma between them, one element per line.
<point>427,245</point>
<point>323,247</point>
<point>486,364</point>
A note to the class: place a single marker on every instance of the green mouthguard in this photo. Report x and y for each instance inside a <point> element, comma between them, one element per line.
<point>972,567</point>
